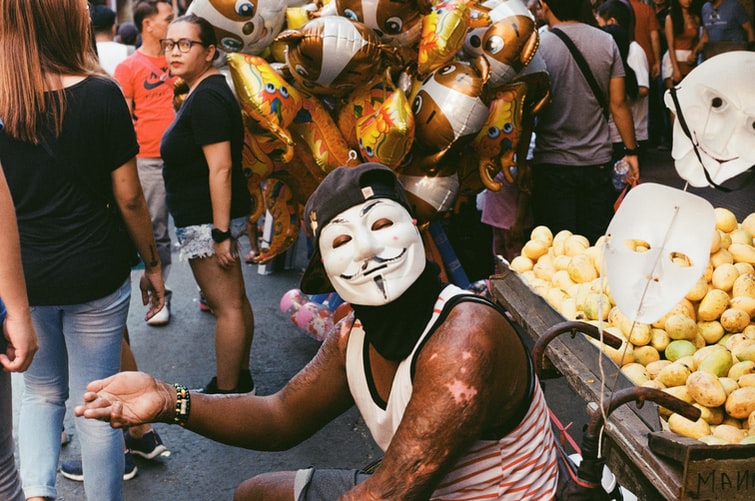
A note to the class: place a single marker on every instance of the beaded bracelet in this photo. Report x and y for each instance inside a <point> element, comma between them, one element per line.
<point>183,405</point>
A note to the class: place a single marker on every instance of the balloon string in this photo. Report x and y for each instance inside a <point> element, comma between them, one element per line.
<point>601,369</point>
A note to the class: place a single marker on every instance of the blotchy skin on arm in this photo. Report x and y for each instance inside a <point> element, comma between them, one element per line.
<point>470,377</point>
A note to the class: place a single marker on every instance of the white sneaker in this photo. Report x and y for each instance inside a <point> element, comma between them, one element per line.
<point>162,317</point>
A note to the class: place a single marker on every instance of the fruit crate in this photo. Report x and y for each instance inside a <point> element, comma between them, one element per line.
<point>651,463</point>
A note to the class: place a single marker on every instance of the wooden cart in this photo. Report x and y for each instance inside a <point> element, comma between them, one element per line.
<point>676,468</point>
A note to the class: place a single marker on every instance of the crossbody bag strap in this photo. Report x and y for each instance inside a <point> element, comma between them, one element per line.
<point>585,68</point>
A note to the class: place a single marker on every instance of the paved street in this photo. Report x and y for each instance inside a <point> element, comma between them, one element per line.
<point>199,469</point>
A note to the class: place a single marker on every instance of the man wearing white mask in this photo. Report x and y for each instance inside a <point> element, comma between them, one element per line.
<point>440,376</point>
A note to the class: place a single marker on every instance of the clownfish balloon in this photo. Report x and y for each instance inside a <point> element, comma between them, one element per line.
<point>242,25</point>
<point>332,55</point>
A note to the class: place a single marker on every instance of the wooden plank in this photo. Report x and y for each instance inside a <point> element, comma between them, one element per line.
<point>709,472</point>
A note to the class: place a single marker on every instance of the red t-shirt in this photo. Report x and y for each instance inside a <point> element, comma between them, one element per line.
<point>146,81</point>
<point>645,23</point>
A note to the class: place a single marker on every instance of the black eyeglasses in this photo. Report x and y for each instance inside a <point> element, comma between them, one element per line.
<point>184,44</point>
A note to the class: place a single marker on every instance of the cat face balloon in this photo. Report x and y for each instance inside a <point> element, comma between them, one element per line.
<point>716,104</point>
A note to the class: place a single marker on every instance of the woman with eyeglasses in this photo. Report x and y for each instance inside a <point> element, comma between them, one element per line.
<point>207,194</point>
<point>68,154</point>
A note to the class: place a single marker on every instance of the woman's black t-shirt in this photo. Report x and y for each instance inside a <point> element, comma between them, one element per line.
<point>210,114</point>
<point>71,248</point>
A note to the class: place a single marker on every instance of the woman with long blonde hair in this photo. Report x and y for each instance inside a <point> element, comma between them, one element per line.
<point>68,154</point>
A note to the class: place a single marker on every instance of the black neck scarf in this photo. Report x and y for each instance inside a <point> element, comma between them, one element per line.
<point>394,328</point>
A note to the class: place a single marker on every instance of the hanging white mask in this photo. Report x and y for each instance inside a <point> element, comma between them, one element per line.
<point>716,106</point>
<point>372,252</point>
<point>676,228</point>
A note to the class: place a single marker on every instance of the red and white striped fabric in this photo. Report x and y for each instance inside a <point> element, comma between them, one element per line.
<point>520,465</point>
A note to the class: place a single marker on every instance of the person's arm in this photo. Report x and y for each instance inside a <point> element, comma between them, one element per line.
<point>218,156</point>
<point>129,197</point>
<point>749,31</point>
<point>622,118</point>
<point>18,329</point>
<point>311,399</point>
<point>655,42</point>
<point>676,73</point>
<point>470,378</point>
<point>701,41</point>
<point>130,104</point>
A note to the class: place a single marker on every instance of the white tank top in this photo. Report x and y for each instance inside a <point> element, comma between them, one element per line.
<point>519,465</point>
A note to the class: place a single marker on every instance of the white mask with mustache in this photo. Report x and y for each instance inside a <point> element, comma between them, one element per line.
<point>372,252</point>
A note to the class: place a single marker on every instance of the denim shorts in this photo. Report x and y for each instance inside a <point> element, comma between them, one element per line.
<point>196,240</point>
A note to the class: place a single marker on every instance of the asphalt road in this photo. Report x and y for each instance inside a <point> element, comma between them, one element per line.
<point>200,469</point>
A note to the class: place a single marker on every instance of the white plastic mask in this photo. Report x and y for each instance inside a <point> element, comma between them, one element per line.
<point>717,104</point>
<point>676,228</point>
<point>372,252</point>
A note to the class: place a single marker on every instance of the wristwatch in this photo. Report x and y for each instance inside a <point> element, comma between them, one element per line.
<point>631,151</point>
<point>220,235</point>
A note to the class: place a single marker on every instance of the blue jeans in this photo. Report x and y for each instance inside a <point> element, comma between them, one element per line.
<point>10,486</point>
<point>77,343</point>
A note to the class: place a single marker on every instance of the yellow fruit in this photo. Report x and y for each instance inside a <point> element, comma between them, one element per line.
<point>702,353</point>
<point>715,244</point>
<point>725,219</point>
<point>746,380</point>
<point>711,331</point>
<point>542,233</point>
<point>678,309</point>
<point>708,272</point>
<point>748,224</point>
<point>729,433</point>
<point>705,389</point>
<point>595,254</point>
<point>636,373</point>
<point>744,268</point>
<point>733,341</point>
<point>544,268</point>
<point>560,262</point>
<point>740,369</point>
<point>681,327</point>
<point>744,303</point>
<point>725,240</point>
<point>653,384</point>
<point>679,348</point>
<point>576,245</point>
<point>734,320</point>
<point>742,253</point>
<point>741,403</point>
<point>712,305</point>
<point>692,429</point>
<point>711,415</point>
<point>740,236</point>
<point>744,350</point>
<point>744,285</point>
<point>561,280</point>
<point>533,249</point>
<point>679,392</point>
<point>698,291</point>
<point>596,306</point>
<point>674,374</point>
<point>723,256</point>
<point>724,276</point>
<point>654,368</point>
<point>718,363</point>
<point>728,384</point>
<point>645,355</point>
<point>581,269</point>
<point>749,331</point>
<point>568,309</point>
<point>659,339</point>
<point>558,241</point>
<point>520,264</point>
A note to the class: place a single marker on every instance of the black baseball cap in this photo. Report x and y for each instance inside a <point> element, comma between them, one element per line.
<point>341,189</point>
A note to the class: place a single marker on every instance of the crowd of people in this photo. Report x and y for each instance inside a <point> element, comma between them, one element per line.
<point>96,159</point>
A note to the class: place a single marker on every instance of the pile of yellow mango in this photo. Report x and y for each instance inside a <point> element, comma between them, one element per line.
<point>702,351</point>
